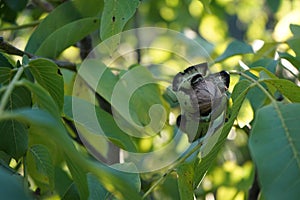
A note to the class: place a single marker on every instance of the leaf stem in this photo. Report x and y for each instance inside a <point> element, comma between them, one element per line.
<point>178,162</point>
<point>255,83</point>
<point>10,89</point>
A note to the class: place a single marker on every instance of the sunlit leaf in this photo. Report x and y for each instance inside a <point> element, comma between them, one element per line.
<point>286,87</point>
<point>275,145</point>
<point>40,166</point>
<point>47,75</point>
<point>267,51</point>
<point>264,71</point>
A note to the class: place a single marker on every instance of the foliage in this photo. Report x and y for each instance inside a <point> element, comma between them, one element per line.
<point>41,152</point>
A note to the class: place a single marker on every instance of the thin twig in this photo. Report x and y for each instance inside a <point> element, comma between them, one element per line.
<point>10,49</point>
<point>10,89</point>
<point>17,27</point>
<point>178,162</point>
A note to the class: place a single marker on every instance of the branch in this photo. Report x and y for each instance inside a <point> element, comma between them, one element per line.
<point>10,49</point>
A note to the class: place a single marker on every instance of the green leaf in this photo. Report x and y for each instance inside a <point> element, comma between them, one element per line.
<point>275,144</point>
<point>5,69</point>
<point>11,187</point>
<point>131,103</point>
<point>285,87</point>
<point>256,98</point>
<point>267,51</point>
<point>46,73</point>
<point>141,103</point>
<point>62,181</point>
<point>238,95</point>
<point>64,14</point>
<point>115,15</point>
<point>79,177</point>
<point>5,75</point>
<point>185,173</point>
<point>264,72</point>
<point>265,63</point>
<point>40,166</point>
<point>42,97</point>
<point>4,62</point>
<point>131,178</point>
<point>106,121</point>
<point>241,87</point>
<point>71,193</point>
<point>14,135</point>
<point>235,48</point>
<point>146,95</point>
<point>168,189</point>
<point>14,138</point>
<point>66,36</point>
<point>100,77</point>
<point>96,190</point>
<point>294,42</point>
<point>52,129</point>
